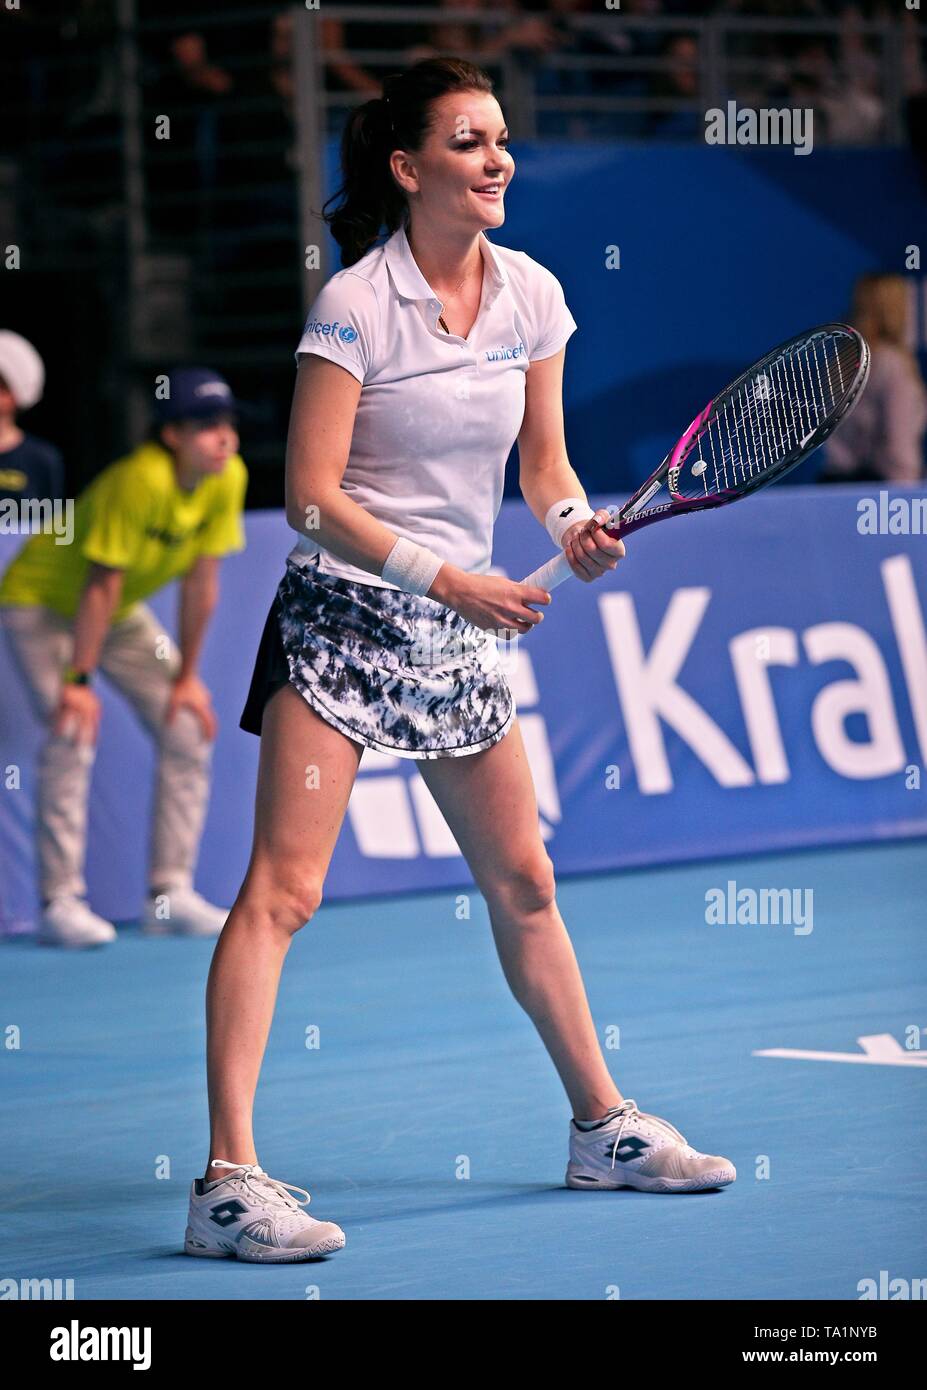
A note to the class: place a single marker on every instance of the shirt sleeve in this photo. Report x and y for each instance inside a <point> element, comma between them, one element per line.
<point>342,324</point>
<point>121,514</point>
<point>224,533</point>
<point>553,321</point>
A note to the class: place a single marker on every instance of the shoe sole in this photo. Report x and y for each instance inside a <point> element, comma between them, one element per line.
<point>268,1255</point>
<point>705,1182</point>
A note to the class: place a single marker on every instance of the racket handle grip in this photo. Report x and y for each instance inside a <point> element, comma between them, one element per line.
<point>555,571</point>
<point>549,575</point>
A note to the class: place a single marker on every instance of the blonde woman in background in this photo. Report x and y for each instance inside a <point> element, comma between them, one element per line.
<point>882,441</point>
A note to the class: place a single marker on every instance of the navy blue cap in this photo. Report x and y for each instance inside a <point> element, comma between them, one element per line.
<point>196,393</point>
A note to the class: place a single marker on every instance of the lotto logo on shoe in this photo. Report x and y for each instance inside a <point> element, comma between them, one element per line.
<point>344,332</point>
<point>631,1147</point>
<point>227,1213</point>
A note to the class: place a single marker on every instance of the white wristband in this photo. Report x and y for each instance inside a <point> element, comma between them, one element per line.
<point>411,567</point>
<point>566,513</point>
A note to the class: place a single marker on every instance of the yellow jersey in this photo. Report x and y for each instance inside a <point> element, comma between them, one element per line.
<point>133,517</point>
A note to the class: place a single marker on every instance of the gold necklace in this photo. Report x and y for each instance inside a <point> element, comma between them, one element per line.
<point>450,296</point>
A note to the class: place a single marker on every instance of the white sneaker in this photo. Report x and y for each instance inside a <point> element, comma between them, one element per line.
<point>188,914</point>
<point>252,1217</point>
<point>69,921</point>
<point>633,1149</point>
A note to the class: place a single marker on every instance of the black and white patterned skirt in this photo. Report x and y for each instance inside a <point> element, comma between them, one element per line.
<point>395,671</point>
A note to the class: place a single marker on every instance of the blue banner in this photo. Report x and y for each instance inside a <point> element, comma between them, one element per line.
<point>750,680</point>
<point>683,263</point>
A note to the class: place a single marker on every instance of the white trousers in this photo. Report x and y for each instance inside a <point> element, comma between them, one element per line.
<point>141,662</point>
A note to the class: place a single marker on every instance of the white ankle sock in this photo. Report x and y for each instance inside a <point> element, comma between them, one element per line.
<point>224,1175</point>
<point>594,1124</point>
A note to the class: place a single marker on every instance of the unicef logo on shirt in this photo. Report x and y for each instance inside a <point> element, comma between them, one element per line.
<point>344,332</point>
<point>505,354</point>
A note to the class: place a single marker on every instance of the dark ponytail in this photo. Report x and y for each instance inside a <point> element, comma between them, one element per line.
<point>370,198</point>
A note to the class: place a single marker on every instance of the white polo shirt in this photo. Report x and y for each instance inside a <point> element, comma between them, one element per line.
<point>438,414</point>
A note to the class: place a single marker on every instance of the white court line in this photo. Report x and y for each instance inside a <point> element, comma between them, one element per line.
<point>879,1050</point>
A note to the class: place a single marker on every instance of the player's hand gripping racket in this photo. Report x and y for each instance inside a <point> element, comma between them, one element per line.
<point>766,422</point>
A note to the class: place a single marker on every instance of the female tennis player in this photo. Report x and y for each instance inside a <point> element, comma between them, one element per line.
<point>421,362</point>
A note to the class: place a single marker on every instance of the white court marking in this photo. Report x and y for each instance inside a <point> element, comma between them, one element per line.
<point>879,1049</point>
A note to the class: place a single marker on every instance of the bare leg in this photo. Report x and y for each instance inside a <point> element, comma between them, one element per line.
<point>489,803</point>
<point>295,830</point>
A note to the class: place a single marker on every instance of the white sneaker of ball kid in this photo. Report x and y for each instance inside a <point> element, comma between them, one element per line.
<point>252,1217</point>
<point>630,1148</point>
<point>69,921</point>
<point>182,912</point>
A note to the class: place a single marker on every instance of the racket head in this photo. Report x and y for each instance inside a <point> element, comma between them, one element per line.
<point>763,424</point>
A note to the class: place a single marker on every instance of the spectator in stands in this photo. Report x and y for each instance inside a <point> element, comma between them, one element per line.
<point>840,84</point>
<point>30,468</point>
<point>280,74</point>
<point>194,71</point>
<point>258,142</point>
<point>169,510</point>
<point>578,38</point>
<point>192,89</point>
<point>61,93</point>
<point>347,80</point>
<point>258,232</point>
<point>855,110</point>
<point>523,32</point>
<point>809,82</point>
<point>766,77</point>
<point>680,82</point>
<point>402,44</point>
<point>914,85</point>
<point>89,38</point>
<point>882,441</point>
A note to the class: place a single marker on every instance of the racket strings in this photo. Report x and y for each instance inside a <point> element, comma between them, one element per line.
<point>771,417</point>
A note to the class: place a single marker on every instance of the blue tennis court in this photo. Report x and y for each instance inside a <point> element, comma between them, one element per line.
<point>429,1123</point>
<point>339,337</point>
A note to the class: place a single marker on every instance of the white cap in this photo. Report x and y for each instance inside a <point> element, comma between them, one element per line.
<point>22,369</point>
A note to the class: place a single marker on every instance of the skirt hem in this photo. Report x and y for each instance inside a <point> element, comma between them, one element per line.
<point>282,657</point>
<point>311,698</point>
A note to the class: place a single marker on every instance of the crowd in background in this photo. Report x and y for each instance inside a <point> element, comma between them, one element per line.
<point>229,67</point>
<point>223,191</point>
<point>230,85</point>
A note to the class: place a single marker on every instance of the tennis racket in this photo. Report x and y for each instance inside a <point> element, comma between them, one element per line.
<point>765,423</point>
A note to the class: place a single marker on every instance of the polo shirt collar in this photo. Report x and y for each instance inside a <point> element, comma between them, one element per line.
<point>409,280</point>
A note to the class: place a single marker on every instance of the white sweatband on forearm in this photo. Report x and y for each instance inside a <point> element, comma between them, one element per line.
<point>411,567</point>
<point>566,513</point>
